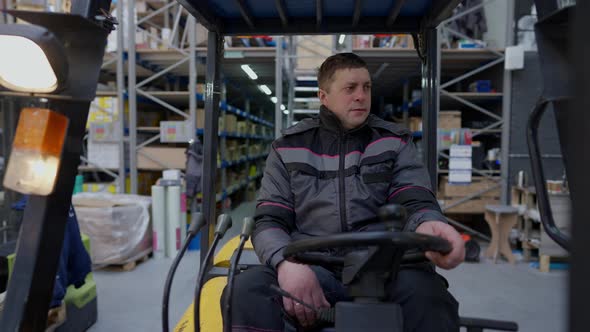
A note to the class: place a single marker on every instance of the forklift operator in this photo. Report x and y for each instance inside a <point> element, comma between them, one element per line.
<point>328,175</point>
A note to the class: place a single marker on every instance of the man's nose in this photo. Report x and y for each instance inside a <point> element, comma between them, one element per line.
<point>360,95</point>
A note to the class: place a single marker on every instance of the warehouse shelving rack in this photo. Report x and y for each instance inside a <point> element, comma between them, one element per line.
<point>146,67</point>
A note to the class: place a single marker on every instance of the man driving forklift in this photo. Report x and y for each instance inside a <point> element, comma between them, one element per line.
<point>330,174</point>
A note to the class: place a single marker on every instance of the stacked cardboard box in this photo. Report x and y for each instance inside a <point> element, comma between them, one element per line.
<point>449,119</point>
<point>158,158</point>
<point>450,193</point>
<point>242,128</point>
<point>415,124</point>
<point>310,54</point>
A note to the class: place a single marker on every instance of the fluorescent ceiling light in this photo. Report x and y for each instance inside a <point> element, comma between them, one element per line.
<point>306,78</point>
<point>341,39</point>
<point>249,71</point>
<point>265,89</point>
<point>273,99</point>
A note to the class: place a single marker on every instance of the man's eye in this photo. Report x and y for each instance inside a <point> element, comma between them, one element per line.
<point>350,89</point>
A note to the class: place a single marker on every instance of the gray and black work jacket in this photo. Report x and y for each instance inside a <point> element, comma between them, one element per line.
<point>321,179</point>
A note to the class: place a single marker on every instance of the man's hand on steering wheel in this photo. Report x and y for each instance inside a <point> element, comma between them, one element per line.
<point>447,232</point>
<point>300,281</point>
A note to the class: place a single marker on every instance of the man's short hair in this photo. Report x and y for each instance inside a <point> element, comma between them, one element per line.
<point>337,62</point>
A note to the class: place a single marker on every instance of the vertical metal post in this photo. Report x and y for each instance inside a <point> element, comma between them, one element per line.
<point>348,43</point>
<point>577,172</point>
<point>120,99</point>
<point>291,76</point>
<point>7,19</point>
<point>167,18</point>
<point>131,92</point>
<point>192,76</point>
<point>248,144</point>
<point>506,110</point>
<point>212,95</point>
<point>10,121</point>
<point>42,232</point>
<point>223,152</point>
<point>430,103</point>
<point>279,86</point>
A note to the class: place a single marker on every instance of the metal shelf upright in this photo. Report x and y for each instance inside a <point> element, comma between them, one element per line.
<point>470,100</point>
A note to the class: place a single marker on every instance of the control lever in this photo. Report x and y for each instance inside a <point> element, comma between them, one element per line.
<point>224,222</point>
<point>247,229</point>
<point>325,315</point>
<point>197,222</point>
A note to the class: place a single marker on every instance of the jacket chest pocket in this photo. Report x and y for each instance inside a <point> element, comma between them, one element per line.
<point>381,172</point>
<point>377,178</point>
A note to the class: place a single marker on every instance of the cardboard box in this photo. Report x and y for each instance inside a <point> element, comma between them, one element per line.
<point>415,124</point>
<point>160,158</point>
<point>458,176</point>
<point>96,187</point>
<point>310,55</point>
<point>103,110</point>
<point>478,183</point>
<point>362,41</point>
<point>175,131</point>
<point>201,88</point>
<point>103,154</point>
<point>231,123</point>
<point>149,119</point>
<point>449,120</point>
<point>242,127</point>
<point>104,132</point>
<point>200,118</point>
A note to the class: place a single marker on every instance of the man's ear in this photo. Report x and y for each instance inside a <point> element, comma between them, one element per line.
<point>322,95</point>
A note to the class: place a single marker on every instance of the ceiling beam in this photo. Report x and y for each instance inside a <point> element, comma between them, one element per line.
<point>319,12</point>
<point>280,4</point>
<point>203,14</point>
<point>439,11</point>
<point>394,12</point>
<point>356,16</point>
<point>245,13</point>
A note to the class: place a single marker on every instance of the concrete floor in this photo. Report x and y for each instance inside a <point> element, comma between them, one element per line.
<point>131,301</point>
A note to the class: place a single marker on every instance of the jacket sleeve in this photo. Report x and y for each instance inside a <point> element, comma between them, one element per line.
<point>411,188</point>
<point>275,216</point>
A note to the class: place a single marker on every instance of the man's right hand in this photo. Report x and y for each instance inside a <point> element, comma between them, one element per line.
<point>301,282</point>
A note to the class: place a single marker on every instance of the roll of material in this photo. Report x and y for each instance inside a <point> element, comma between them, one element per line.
<point>159,221</point>
<point>173,214</point>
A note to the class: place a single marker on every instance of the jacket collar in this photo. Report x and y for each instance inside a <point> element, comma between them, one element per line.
<point>330,121</point>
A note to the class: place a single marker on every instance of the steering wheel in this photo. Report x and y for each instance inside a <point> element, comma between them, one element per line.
<point>307,250</point>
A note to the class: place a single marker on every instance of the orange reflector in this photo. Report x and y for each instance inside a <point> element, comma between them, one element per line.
<point>41,130</point>
<point>36,152</point>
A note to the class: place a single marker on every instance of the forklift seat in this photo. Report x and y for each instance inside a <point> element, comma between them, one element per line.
<point>210,309</point>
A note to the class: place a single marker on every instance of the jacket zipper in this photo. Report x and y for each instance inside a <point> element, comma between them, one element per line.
<point>342,186</point>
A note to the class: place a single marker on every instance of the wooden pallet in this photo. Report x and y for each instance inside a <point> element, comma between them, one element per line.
<point>128,265</point>
<point>545,262</point>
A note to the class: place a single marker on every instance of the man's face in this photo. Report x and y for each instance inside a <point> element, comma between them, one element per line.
<point>348,96</point>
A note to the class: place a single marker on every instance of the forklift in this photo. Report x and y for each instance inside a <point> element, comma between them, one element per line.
<point>37,258</point>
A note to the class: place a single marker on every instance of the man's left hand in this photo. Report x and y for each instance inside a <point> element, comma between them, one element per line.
<point>447,232</point>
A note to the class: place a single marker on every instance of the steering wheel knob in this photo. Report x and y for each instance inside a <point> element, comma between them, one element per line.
<point>394,214</point>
